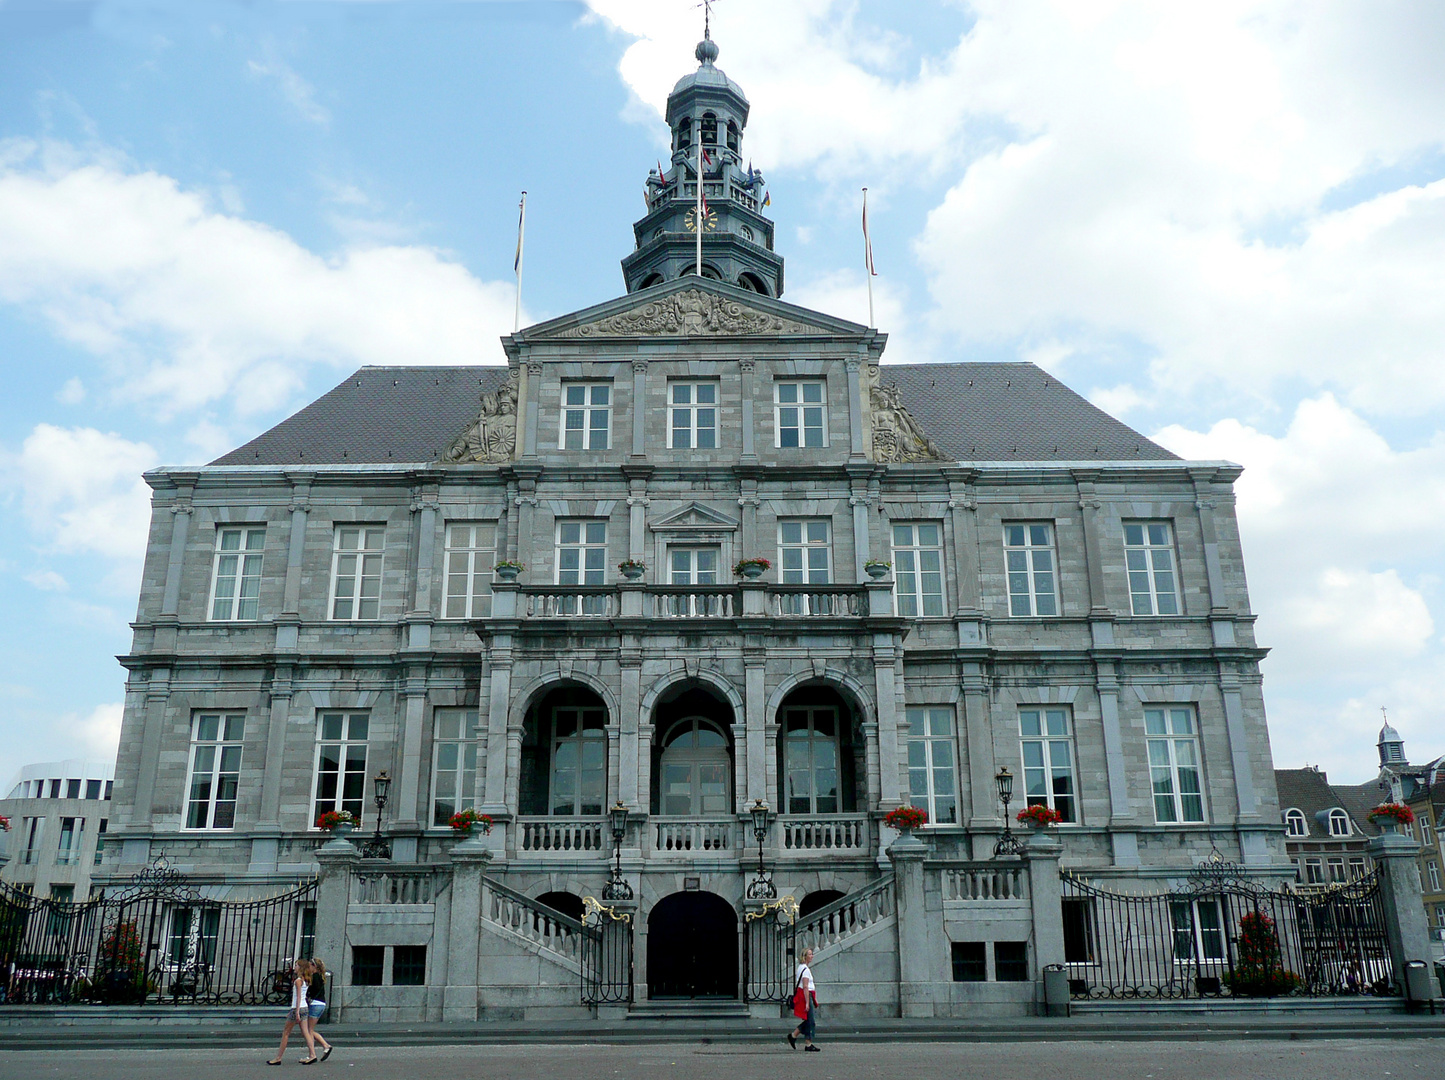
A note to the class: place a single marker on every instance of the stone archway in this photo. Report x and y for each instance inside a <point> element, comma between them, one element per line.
<point>692,947</point>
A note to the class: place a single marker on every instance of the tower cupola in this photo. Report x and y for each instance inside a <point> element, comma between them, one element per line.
<point>1391,746</point>
<point>707,113</point>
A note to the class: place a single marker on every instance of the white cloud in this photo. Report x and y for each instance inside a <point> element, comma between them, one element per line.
<point>296,91</point>
<point>97,734</point>
<point>47,581</point>
<point>188,305</point>
<point>844,293</point>
<point>72,393</point>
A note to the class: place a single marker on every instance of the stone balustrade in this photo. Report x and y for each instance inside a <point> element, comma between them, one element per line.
<point>397,886</point>
<point>694,836</point>
<point>553,836</point>
<point>984,881</point>
<point>824,835</point>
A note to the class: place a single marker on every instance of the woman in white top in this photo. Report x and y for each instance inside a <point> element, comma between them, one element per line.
<point>805,1003</point>
<point>298,1013</point>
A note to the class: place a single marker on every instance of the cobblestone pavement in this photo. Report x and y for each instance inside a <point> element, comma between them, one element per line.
<point>1413,1059</point>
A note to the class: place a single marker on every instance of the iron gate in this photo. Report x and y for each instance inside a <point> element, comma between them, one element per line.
<point>1223,935</point>
<point>769,949</point>
<point>154,941</point>
<point>606,937</point>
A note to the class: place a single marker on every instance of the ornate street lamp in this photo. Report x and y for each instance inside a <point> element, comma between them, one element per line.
<point>761,887</point>
<point>378,847</point>
<point>1007,843</point>
<point>617,887</point>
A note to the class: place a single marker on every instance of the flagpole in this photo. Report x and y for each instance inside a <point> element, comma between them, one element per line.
<point>867,258</point>
<point>697,213</point>
<point>521,236</point>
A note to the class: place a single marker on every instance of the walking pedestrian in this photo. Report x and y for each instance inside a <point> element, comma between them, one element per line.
<point>316,998</point>
<point>805,1003</point>
<point>297,1013</point>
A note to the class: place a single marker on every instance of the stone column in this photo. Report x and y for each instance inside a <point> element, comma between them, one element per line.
<point>854,368</point>
<point>459,999</point>
<point>1121,811</point>
<point>337,858</point>
<point>530,387</point>
<point>639,410</point>
<point>180,527</point>
<point>978,733</point>
<point>917,940</point>
<point>756,723</point>
<point>157,695</point>
<point>745,369</point>
<point>1406,929</point>
<point>629,763</point>
<point>267,830</point>
<point>1045,895</point>
<point>409,811</point>
<point>295,554</point>
<point>963,525</point>
<point>885,689</point>
<point>499,702</point>
<point>749,502</point>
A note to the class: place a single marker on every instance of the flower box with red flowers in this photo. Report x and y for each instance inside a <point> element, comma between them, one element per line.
<point>751,568</point>
<point>4,823</point>
<point>1393,812</point>
<point>464,821</point>
<point>334,818</point>
<point>1039,816</point>
<point>904,818</point>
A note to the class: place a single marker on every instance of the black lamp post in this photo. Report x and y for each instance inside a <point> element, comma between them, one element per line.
<point>1007,843</point>
<point>378,847</point>
<point>761,887</point>
<point>617,887</point>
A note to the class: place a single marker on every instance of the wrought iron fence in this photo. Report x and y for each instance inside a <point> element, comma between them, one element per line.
<point>154,941</point>
<point>607,964</point>
<point>769,951</point>
<point>1222,935</point>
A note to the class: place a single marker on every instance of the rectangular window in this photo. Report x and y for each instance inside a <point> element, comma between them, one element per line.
<point>693,566</point>
<point>932,775</point>
<point>408,965</point>
<point>1357,868</point>
<point>1149,556</point>
<point>454,762</point>
<point>72,789</point>
<point>582,560</point>
<point>1336,868</point>
<point>1011,961</point>
<point>1078,930</point>
<point>1434,870</point>
<point>356,572</point>
<point>970,961</point>
<point>62,894</point>
<point>340,763</point>
<point>471,552</point>
<point>69,850</point>
<point>1425,828</point>
<point>100,841</point>
<point>366,964</point>
<point>55,788</point>
<point>307,931</point>
<point>1198,930</point>
<point>800,412</point>
<point>586,412</point>
<point>692,408</point>
<point>236,574</point>
<point>1032,579</point>
<point>34,830</point>
<point>1174,768</point>
<point>1314,872</point>
<point>918,569</point>
<point>92,789</point>
<point>1046,741</point>
<point>805,552</point>
<point>215,770</point>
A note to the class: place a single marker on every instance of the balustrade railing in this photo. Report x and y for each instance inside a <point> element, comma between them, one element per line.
<point>695,601</point>
<point>824,835</point>
<point>396,886</point>
<point>562,836</point>
<point>695,836</point>
<point>569,602</point>
<point>842,919</point>
<point>818,600</point>
<point>539,924</point>
<point>985,881</point>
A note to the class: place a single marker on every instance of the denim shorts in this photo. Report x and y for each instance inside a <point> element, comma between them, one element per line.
<point>316,1009</point>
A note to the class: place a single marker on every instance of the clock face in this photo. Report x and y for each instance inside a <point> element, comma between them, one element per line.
<point>709,222</point>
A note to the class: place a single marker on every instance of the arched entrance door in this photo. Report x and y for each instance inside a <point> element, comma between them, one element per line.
<point>692,947</point>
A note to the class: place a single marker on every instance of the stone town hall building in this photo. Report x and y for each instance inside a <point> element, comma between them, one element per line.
<point>1065,599</point>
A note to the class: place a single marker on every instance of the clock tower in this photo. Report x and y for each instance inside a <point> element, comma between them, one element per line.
<point>737,240</point>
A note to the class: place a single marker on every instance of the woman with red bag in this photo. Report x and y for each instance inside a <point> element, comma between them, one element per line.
<point>805,1003</point>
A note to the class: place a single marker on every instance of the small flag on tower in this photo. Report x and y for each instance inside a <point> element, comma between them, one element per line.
<point>867,240</point>
<point>767,198</point>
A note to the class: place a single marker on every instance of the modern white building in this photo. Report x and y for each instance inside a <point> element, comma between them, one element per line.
<point>59,815</point>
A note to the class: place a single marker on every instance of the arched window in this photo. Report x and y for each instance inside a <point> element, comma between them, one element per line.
<point>711,272</point>
<point>1339,823</point>
<point>564,755</point>
<point>732,136</point>
<point>709,129</point>
<point>684,135</point>
<point>1294,823</point>
<point>696,770</point>
<point>752,283</point>
<point>810,759</point>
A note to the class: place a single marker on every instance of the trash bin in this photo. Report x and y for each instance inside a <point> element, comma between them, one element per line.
<point>1056,990</point>
<point>1440,975</point>
<point>1418,990</point>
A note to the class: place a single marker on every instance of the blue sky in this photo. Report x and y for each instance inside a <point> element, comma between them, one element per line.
<point>1221,222</point>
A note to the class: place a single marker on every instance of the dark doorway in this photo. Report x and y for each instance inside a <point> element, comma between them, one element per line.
<point>816,901</point>
<point>692,947</point>
<point>565,902</point>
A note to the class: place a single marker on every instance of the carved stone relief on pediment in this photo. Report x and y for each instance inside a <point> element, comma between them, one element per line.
<point>492,437</point>
<point>691,312</point>
<point>897,437</point>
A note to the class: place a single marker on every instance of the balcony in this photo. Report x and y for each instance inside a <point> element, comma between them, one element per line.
<point>677,837</point>
<point>567,837</point>
<point>817,601</point>
<point>747,600</point>
<point>824,836</point>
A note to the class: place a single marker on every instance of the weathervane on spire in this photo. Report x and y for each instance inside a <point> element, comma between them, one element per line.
<point>706,6</point>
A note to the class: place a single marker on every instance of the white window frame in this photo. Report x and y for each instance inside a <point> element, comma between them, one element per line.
<point>795,410</point>
<point>685,402</point>
<point>1425,828</point>
<point>1434,870</point>
<point>933,756</point>
<point>1314,870</point>
<point>918,576</point>
<point>592,400</point>
<point>456,746</point>
<point>1335,869</point>
<point>1339,822</point>
<point>68,843</point>
<point>1293,818</point>
<point>590,548</point>
<point>348,738</point>
<point>366,562</point>
<point>1152,566</point>
<point>241,600</point>
<point>1056,757</point>
<point>1207,943</point>
<point>1170,751</point>
<point>1031,565</point>
<point>469,553</point>
<point>217,737</point>
<point>815,537</point>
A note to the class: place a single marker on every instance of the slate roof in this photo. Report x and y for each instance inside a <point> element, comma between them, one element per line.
<point>1310,791</point>
<point>972,411</point>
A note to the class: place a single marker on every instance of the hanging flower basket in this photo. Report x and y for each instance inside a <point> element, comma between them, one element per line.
<point>877,568</point>
<point>339,822</point>
<point>905,818</point>
<point>1392,813</point>
<point>1040,816</point>
<point>752,569</point>
<point>507,570</point>
<point>632,569</point>
<point>464,821</point>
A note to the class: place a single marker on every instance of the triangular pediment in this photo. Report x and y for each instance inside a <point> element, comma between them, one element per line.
<point>694,516</point>
<point>691,307</point>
